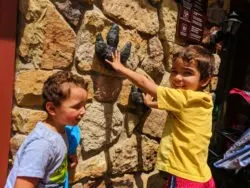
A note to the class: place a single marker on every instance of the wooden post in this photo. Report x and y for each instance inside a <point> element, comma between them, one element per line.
<point>8,15</point>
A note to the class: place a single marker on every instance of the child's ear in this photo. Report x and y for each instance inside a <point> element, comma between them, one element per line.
<point>205,82</point>
<point>50,107</point>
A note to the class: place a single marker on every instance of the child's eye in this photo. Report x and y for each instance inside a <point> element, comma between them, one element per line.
<point>173,71</point>
<point>79,105</point>
<point>76,107</point>
<point>187,73</point>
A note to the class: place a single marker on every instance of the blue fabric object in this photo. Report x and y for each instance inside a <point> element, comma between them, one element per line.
<point>74,137</point>
<point>238,155</point>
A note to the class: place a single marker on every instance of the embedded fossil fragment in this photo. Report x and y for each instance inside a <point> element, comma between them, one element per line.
<point>137,99</point>
<point>104,50</point>
<point>136,95</point>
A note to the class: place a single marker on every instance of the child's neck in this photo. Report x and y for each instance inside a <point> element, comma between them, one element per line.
<point>53,126</point>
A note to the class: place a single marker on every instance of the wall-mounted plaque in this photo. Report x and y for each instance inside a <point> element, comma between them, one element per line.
<point>191,20</point>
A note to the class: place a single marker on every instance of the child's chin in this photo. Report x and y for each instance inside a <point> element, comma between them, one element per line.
<point>72,124</point>
<point>178,87</point>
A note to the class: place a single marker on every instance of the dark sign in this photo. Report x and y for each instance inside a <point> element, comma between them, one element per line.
<point>191,20</point>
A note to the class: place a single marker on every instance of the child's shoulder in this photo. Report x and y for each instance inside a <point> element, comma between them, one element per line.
<point>185,96</point>
<point>197,94</point>
<point>186,92</point>
<point>42,132</point>
<point>203,99</point>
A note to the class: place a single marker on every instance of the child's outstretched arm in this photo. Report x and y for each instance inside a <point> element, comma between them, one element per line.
<point>139,80</point>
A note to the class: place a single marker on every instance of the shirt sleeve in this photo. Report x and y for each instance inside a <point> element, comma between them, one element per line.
<point>170,99</point>
<point>35,159</point>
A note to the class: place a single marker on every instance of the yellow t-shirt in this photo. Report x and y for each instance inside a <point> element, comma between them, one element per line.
<point>183,150</point>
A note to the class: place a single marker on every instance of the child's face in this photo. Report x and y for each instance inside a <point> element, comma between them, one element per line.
<point>185,76</point>
<point>71,109</point>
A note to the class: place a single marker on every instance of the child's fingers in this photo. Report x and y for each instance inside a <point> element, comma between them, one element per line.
<point>109,62</point>
<point>73,165</point>
<point>144,95</point>
<point>147,97</point>
<point>73,159</point>
<point>118,56</point>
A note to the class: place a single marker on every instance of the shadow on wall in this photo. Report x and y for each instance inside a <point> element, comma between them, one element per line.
<point>156,180</point>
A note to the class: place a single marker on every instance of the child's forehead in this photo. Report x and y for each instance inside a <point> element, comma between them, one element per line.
<point>180,62</point>
<point>66,87</point>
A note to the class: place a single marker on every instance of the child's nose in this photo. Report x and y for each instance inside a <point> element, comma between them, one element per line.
<point>82,111</point>
<point>178,77</point>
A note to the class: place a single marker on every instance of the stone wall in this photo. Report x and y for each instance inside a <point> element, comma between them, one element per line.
<point>119,139</point>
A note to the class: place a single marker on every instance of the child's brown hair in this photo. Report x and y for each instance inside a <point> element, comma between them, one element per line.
<point>201,56</point>
<point>53,90</point>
